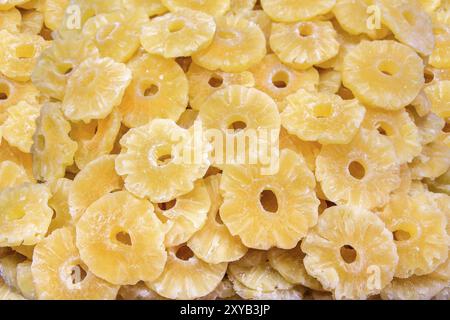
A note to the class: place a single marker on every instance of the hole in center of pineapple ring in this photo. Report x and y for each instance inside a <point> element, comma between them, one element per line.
<point>176,25</point>
<point>280,79</point>
<point>4,91</point>
<point>215,81</point>
<point>323,110</point>
<point>25,51</point>
<point>401,235</point>
<point>305,30</point>
<point>167,205</point>
<point>150,90</point>
<point>446,128</point>
<point>77,274</point>
<point>64,68</point>
<point>356,170</point>
<point>124,238</point>
<point>237,126</point>
<point>269,201</point>
<point>388,67</point>
<point>164,159</point>
<point>348,254</point>
<point>184,253</point>
<point>226,35</point>
<point>409,17</point>
<point>384,128</point>
<point>106,31</point>
<point>429,76</point>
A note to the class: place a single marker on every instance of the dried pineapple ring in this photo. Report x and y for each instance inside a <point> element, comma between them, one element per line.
<point>60,189</point>
<point>8,269</point>
<point>223,291</point>
<point>12,92</point>
<point>215,8</point>
<point>270,210</point>
<point>339,255</point>
<point>10,20</point>
<point>237,45</point>
<point>295,10</point>
<point>178,34</point>
<point>9,153</point>
<point>255,272</point>
<point>442,14</point>
<point>59,273</point>
<point>25,215</point>
<point>419,230</point>
<point>330,81</point>
<point>430,126</point>
<point>32,22</point>
<point>25,282</point>
<point>152,153</point>
<point>159,89</point>
<point>99,172</point>
<point>203,83</point>
<point>103,81</point>
<point>399,128</point>
<point>138,291</point>
<point>7,294</point>
<point>353,16</point>
<point>409,23</point>
<point>96,138</point>
<point>214,243</point>
<point>56,64</point>
<point>12,175</point>
<point>54,11</point>
<point>184,215</point>
<point>413,288</point>
<point>443,271</point>
<point>52,150</point>
<point>322,117</point>
<point>440,57</point>
<point>304,44</point>
<point>150,7</point>
<point>122,231</point>
<point>361,173</point>
<point>8,4</point>
<point>434,160</point>
<point>289,263</point>
<point>19,54</point>
<point>279,80</point>
<point>439,95</point>
<point>309,150</point>
<point>262,20</point>
<point>250,294</point>
<point>392,79</point>
<point>187,277</point>
<point>20,125</point>
<point>116,34</point>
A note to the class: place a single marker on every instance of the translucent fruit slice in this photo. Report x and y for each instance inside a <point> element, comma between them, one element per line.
<point>54,11</point>
<point>60,189</point>
<point>121,240</point>
<point>7,294</point>
<point>350,252</point>
<point>12,175</point>
<point>215,8</point>
<point>60,274</point>
<point>413,288</point>
<point>10,20</point>
<point>439,95</point>
<point>440,57</point>
<point>138,291</point>
<point>187,277</point>
<point>295,10</point>
<point>13,92</point>
<point>434,160</point>
<point>25,282</point>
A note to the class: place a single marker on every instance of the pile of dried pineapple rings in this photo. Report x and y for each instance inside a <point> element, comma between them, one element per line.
<point>96,204</point>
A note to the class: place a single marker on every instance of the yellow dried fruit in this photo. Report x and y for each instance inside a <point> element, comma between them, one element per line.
<point>295,10</point>
<point>215,8</point>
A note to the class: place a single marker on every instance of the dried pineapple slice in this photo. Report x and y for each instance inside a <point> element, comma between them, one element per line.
<point>430,126</point>
<point>138,291</point>
<point>265,210</point>
<point>238,44</point>
<point>9,153</point>
<point>20,125</point>
<point>304,44</point>
<point>19,54</point>
<point>214,243</point>
<point>52,149</point>
<point>25,282</point>
<point>224,290</point>
<point>57,63</point>
<point>255,272</point>
<point>12,175</point>
<point>59,273</point>
<point>289,263</point>
<point>361,173</point>
<point>7,294</point>
<point>32,22</point>
<point>350,252</point>
<point>440,57</point>
<point>8,269</point>
<point>150,7</point>
<point>54,11</point>
<point>103,81</point>
<point>309,150</point>
<point>413,288</point>
<point>439,95</point>
<point>244,292</point>
<point>391,80</point>
<point>10,20</point>
<point>434,160</point>
<point>184,215</point>
<point>152,153</point>
<point>215,8</point>
<point>203,83</point>
<point>399,128</point>
<point>442,14</point>
<point>12,92</point>
<point>60,189</point>
<point>96,138</point>
<point>279,80</point>
<point>419,231</point>
<point>263,21</point>
<point>116,34</point>
<point>178,34</point>
<point>159,89</point>
<point>330,81</point>
<point>99,172</point>
<point>322,117</point>
<point>121,240</point>
<point>187,277</point>
<point>25,215</point>
<point>409,23</point>
<point>295,10</point>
